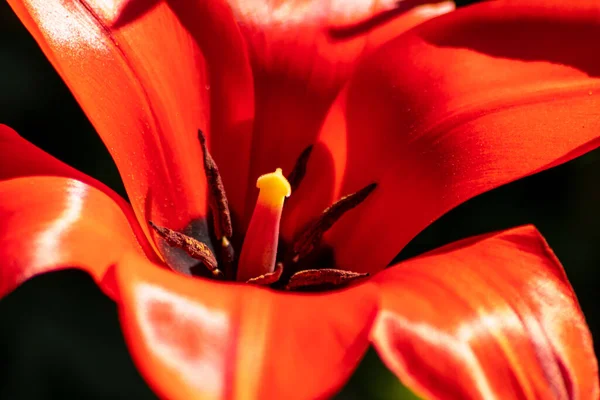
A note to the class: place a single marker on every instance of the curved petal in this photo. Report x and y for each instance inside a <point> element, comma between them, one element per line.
<point>198,339</point>
<point>53,216</point>
<point>449,110</point>
<point>146,86</point>
<point>50,223</point>
<point>20,158</point>
<point>302,51</point>
<point>487,317</point>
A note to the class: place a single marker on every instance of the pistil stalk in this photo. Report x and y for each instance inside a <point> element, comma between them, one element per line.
<point>259,250</point>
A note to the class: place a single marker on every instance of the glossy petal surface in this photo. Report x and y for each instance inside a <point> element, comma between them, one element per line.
<point>146,86</point>
<point>487,317</point>
<point>457,106</point>
<point>197,339</point>
<point>51,223</point>
<point>20,158</point>
<point>53,216</point>
<point>302,52</point>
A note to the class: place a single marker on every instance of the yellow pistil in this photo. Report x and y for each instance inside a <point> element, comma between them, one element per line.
<point>260,245</point>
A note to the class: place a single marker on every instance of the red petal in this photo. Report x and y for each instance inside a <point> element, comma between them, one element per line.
<point>146,87</point>
<point>450,110</point>
<point>488,317</point>
<point>60,220</point>
<point>50,223</point>
<point>302,52</point>
<point>197,339</point>
<point>19,159</point>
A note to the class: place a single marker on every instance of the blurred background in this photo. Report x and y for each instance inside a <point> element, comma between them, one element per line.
<point>59,335</point>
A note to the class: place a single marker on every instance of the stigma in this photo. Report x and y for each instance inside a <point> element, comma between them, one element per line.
<point>259,250</point>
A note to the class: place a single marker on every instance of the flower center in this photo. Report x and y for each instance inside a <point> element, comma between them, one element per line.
<point>260,262</point>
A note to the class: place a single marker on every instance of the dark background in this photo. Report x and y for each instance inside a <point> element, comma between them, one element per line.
<point>60,336</point>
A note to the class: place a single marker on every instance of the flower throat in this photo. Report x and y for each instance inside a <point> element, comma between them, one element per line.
<point>265,259</point>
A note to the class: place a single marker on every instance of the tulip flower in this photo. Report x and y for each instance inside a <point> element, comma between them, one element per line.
<point>375,118</point>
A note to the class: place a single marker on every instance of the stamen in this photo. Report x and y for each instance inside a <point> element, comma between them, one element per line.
<point>326,276</point>
<point>297,174</point>
<point>268,278</point>
<point>218,199</point>
<point>195,248</point>
<point>260,245</point>
<point>311,237</point>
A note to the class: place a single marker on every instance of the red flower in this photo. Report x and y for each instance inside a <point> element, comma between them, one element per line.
<point>436,115</point>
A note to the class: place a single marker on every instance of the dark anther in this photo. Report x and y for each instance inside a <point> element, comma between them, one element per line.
<point>218,199</point>
<point>320,277</point>
<point>268,278</point>
<point>195,248</point>
<point>297,174</point>
<point>310,238</point>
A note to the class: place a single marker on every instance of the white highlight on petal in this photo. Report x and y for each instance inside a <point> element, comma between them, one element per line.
<point>551,299</point>
<point>435,338</point>
<point>206,332</point>
<point>436,9</point>
<point>48,243</point>
<point>487,324</point>
<point>67,23</point>
<point>268,12</point>
<point>109,8</point>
